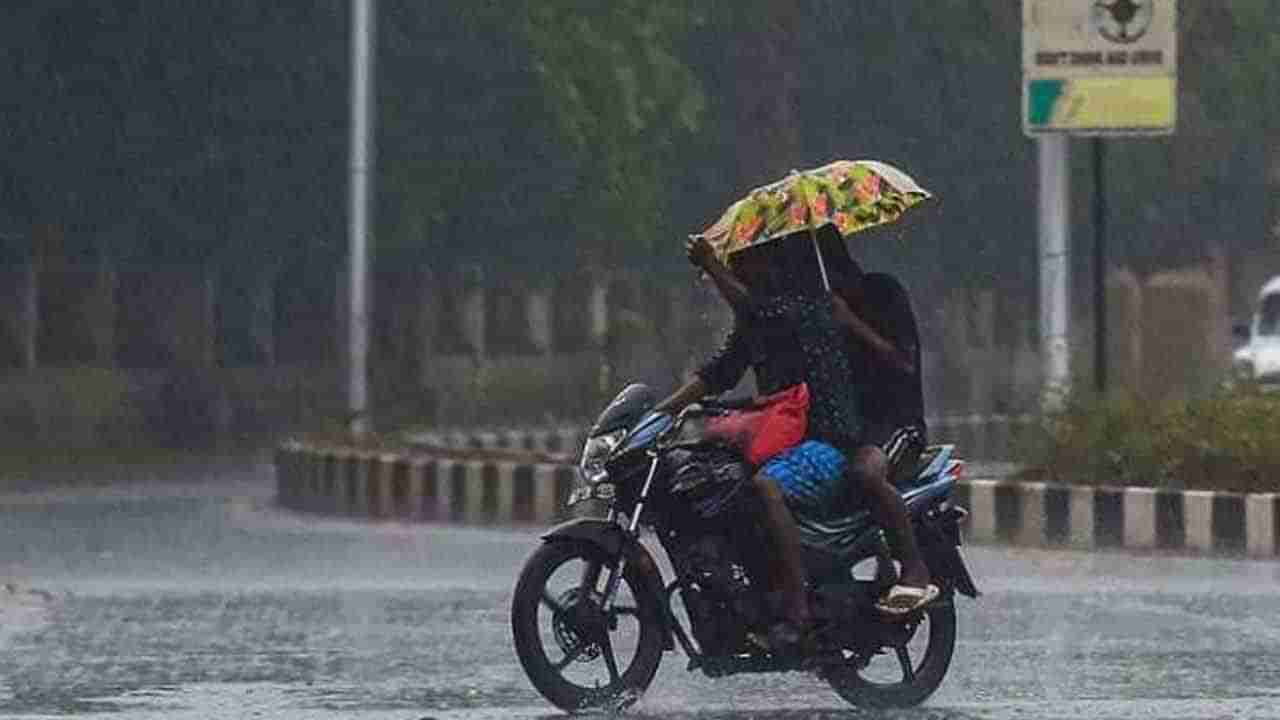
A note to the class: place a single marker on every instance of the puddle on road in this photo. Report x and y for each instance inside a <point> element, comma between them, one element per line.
<point>291,702</point>
<point>231,609</point>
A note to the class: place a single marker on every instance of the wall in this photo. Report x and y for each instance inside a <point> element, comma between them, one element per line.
<point>188,355</point>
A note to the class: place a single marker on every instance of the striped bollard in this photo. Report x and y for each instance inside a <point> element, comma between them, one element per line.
<point>1140,518</point>
<point>1033,513</point>
<point>1197,513</point>
<point>1081,532</point>
<point>982,510</point>
<point>445,471</point>
<point>1261,520</point>
<point>546,505</point>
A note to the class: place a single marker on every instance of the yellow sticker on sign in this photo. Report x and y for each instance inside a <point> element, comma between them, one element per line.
<point>1104,104</point>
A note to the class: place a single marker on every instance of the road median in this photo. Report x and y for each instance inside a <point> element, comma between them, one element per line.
<point>502,486</point>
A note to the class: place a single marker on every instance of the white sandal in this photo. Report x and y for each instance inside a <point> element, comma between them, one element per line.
<point>903,599</point>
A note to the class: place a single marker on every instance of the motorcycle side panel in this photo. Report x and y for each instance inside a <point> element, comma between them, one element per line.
<point>830,553</point>
<point>643,434</point>
<point>851,539</point>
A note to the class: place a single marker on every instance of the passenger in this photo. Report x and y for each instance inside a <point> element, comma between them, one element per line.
<point>884,351</point>
<point>893,398</point>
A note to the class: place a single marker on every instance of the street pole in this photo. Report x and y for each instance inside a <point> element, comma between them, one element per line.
<point>1099,265</point>
<point>362,39</point>
<point>1055,267</point>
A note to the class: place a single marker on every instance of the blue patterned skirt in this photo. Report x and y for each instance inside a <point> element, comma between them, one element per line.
<point>811,473</point>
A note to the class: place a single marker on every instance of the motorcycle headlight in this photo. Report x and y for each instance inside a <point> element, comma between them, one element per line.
<point>593,479</point>
<point>598,449</point>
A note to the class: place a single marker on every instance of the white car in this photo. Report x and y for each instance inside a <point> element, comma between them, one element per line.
<point>1259,357</point>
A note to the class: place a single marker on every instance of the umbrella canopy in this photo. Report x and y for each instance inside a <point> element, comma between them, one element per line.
<point>850,195</point>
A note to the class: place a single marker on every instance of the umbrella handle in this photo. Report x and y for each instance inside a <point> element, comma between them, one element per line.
<point>822,264</point>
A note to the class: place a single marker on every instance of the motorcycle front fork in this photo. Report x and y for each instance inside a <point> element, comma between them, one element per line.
<point>617,567</point>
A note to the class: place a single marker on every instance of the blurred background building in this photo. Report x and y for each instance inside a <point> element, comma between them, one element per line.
<point>173,179</point>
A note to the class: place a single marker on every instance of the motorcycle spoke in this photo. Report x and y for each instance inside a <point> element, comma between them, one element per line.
<point>904,659</point>
<point>606,649</point>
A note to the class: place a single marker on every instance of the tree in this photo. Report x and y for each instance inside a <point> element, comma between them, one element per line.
<point>531,134</point>
<point>625,101</point>
<point>153,125</point>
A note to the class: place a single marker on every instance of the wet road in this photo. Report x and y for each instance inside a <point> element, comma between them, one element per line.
<point>193,598</point>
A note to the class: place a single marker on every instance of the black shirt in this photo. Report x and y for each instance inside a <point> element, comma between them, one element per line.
<point>786,340</point>
<point>888,395</point>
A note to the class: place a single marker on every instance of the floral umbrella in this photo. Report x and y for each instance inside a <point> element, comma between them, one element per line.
<point>851,195</point>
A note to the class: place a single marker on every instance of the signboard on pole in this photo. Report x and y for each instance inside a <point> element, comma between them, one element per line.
<point>1099,67</point>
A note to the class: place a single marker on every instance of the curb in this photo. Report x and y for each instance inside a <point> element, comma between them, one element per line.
<point>1137,518</point>
<point>420,488</point>
<point>566,441</point>
<point>425,489</point>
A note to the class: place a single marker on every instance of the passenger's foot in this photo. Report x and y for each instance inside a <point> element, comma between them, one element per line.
<point>903,599</point>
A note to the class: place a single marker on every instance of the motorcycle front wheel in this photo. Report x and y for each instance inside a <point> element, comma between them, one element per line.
<point>577,655</point>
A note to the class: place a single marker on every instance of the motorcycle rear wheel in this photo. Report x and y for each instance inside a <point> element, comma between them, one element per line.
<point>534,605</point>
<point>920,677</point>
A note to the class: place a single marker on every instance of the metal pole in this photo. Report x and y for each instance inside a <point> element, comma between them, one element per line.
<point>822,264</point>
<point>362,39</point>
<point>1055,267</point>
<point>1099,265</point>
<point>29,302</point>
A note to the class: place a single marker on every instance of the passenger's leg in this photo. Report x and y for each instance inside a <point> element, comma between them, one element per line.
<point>870,470</point>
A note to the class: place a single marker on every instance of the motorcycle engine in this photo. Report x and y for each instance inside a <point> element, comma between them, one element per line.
<point>718,594</point>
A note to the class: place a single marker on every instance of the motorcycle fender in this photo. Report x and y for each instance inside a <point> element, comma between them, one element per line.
<point>607,535</point>
<point>950,566</point>
<point>611,538</point>
<point>941,546</point>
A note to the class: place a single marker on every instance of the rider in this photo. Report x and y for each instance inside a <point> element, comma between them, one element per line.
<point>787,336</point>
<point>887,360</point>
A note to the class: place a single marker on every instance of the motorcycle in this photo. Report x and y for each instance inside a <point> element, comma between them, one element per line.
<point>592,613</point>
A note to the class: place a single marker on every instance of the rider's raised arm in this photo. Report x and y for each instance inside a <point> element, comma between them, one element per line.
<point>682,398</point>
<point>723,371</point>
<point>729,286</point>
